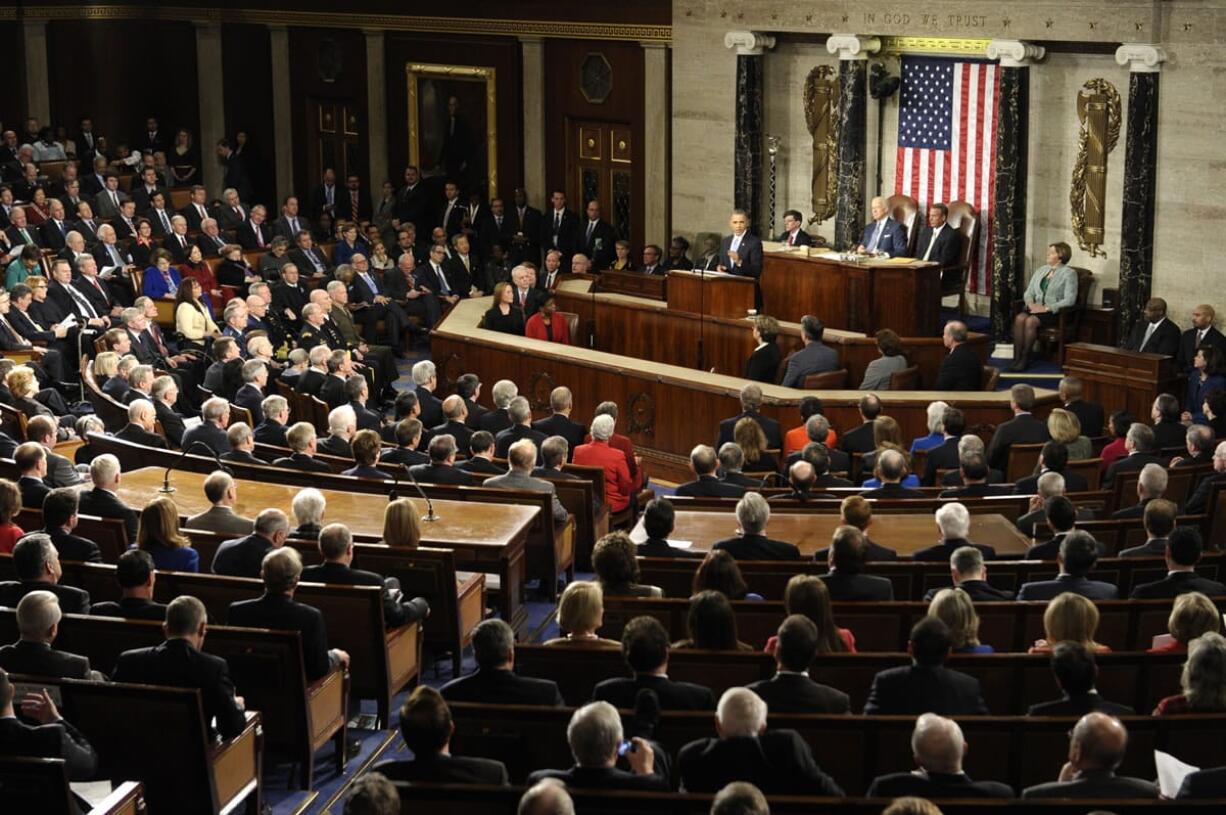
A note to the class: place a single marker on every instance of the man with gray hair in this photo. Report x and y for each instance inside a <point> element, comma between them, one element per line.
<point>520,413</point>
<point>553,457</point>
<point>890,471</point>
<point>425,382</point>
<point>752,514</point>
<point>101,499</point>
<point>497,420</point>
<point>301,440</point>
<point>706,484</point>
<point>242,445</point>
<point>336,549</point>
<point>969,573</point>
<point>961,369</point>
<point>251,394</point>
<point>546,797</point>
<point>938,747</point>
<point>953,520</point>
<point>751,402</point>
<point>731,461</point>
<point>1199,441</point>
<point>455,412</point>
<point>1151,484</point>
<point>817,431</point>
<point>521,458</point>
<point>814,358</point>
<point>37,564</point>
<point>1097,745</point>
<point>618,485</point>
<point>271,429</point>
<point>142,419</point>
<point>342,424</point>
<point>221,490</point>
<point>179,662</point>
<point>495,680</point>
<point>778,762</point>
<point>1142,449</point>
<point>38,622</point>
<point>1199,501</point>
<point>595,737</point>
<point>1023,428</point>
<point>242,557</point>
<point>441,469</point>
<point>211,432</point>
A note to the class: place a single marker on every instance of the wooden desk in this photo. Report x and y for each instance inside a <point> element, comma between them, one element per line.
<point>712,294</point>
<point>485,537</point>
<point>632,283</point>
<point>863,297</point>
<point>1128,379</point>
<point>811,532</point>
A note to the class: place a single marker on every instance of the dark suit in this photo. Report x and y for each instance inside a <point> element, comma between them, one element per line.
<point>936,785</point>
<point>479,465</point>
<point>177,664</point>
<point>1188,346</point>
<point>72,600</point>
<point>504,440</point>
<point>241,557</point>
<point>942,457</point>
<point>33,491</point>
<point>652,547</point>
<point>770,427</point>
<point>1073,482</point>
<point>1079,705</point>
<point>394,614</point>
<point>597,241</point>
<point>858,439</point>
<point>763,363</point>
<point>802,238</point>
<point>915,689</point>
<point>494,421</point>
<point>334,446</point>
<point>1133,462</point>
<point>708,486</point>
<point>851,587</point>
<point>1164,340</point>
<point>301,461</point>
<point>778,762</point>
<point>1170,434</point>
<point>1089,414</point>
<point>559,425</point>
<point>893,491</point>
<point>947,250</point>
<point>131,608</point>
<point>494,686</point>
<point>758,547</point>
<point>73,547</point>
<point>797,693</point>
<point>137,435</point>
<point>566,236</point>
<point>873,553</point>
<point>249,396</point>
<point>270,432</point>
<point>1049,589</point>
<point>893,240</point>
<point>106,504</point>
<point>622,691</point>
<point>610,778</point>
<point>1199,501</point>
<point>1024,428</point>
<point>56,740</point>
<point>961,370</point>
<point>277,611</point>
<point>1177,583</point>
<point>1204,784</point>
<point>40,659</point>
<point>943,550</point>
<point>440,474</point>
<point>980,590</point>
<point>750,253</point>
<point>444,769</point>
<point>1100,784</point>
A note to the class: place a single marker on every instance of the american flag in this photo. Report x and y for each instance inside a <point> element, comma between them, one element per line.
<point>947,143</point>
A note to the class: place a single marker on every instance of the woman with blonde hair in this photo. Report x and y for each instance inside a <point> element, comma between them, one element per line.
<point>1065,428</point>
<point>106,365</point>
<point>1192,615</point>
<point>1069,618</point>
<point>748,435</point>
<point>580,615</point>
<point>401,527</point>
<point>23,385</point>
<point>1203,679</point>
<point>159,535</point>
<point>955,608</point>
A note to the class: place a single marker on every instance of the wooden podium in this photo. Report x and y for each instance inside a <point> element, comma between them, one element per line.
<point>1127,380</point>
<point>725,295</point>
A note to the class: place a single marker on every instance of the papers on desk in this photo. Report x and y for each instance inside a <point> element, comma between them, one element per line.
<point>1171,772</point>
<point>828,255</point>
<point>639,535</point>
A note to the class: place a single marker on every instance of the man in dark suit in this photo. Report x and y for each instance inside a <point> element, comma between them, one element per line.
<point>1199,442</point>
<point>1060,515</point>
<point>793,234</point>
<point>777,762</point>
<point>38,622</point>
<point>1154,333</point>
<point>37,565</point>
<point>883,233</point>
<point>214,415</point>
<point>1151,483</point>
<point>559,422</point>
<point>271,430</point>
<point>135,575</point>
<point>845,579</point>
<point>301,439</point>
<point>1078,554</point>
<point>242,557</point>
<point>52,737</point>
<point>814,358</point>
<point>596,740</point>
<point>658,520</point>
<point>741,252</point>
<point>521,414</point>
<point>939,748</point>
<point>441,469</point>
<point>1075,670</point>
<point>598,238</point>
<point>891,470</point>
<point>236,177</point>
<point>179,662</point>
<point>1183,551</point>
<point>752,514</point>
<point>59,521</point>
<point>526,227</point>
<point>1142,449</point>
<point>281,570</point>
<point>1089,414</point>
<point>706,484</point>
<point>751,402</point>
<point>560,228</point>
<point>426,727</point>
<point>945,456</point>
<point>961,369</point>
<point>1096,748</point>
<point>974,471</point>
<point>1199,502</point>
<point>1202,333</point>
<point>254,233</point>
<point>336,548</point>
<point>969,574</point>
<point>31,461</point>
<point>645,648</point>
<point>481,456</point>
<point>954,521</point>
<point>1169,431</point>
<point>791,690</point>
<point>1053,458</point>
<point>495,680</point>
<point>939,242</point>
<point>926,686</point>
<point>1023,428</point>
<point>860,439</point>
<point>1209,783</point>
<point>101,499</point>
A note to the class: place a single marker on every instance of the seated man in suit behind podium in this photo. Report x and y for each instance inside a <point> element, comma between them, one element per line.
<point>793,235</point>
<point>939,242</point>
<point>883,234</point>
<point>1154,333</point>
<point>815,358</point>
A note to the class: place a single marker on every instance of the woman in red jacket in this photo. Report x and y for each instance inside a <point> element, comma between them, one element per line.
<point>618,485</point>
<point>546,325</point>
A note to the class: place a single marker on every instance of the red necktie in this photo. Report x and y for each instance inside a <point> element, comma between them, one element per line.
<point>791,239</point>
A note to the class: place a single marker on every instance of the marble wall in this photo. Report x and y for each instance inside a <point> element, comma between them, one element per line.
<point>1191,157</point>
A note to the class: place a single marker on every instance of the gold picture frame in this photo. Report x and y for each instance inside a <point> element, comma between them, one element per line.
<point>425,82</point>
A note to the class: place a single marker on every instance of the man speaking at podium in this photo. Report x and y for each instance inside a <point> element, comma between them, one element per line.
<point>741,253</point>
<point>884,234</point>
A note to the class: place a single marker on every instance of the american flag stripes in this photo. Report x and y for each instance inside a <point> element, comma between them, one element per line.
<point>947,142</point>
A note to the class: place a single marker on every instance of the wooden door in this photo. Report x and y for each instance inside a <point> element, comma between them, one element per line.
<point>335,141</point>
<point>600,168</point>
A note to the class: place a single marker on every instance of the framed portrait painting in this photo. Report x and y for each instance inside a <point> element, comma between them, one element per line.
<point>453,124</point>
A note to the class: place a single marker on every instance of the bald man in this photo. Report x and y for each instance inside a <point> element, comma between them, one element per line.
<point>1154,333</point>
<point>883,233</point>
<point>938,747</point>
<point>1096,748</point>
<point>1201,333</point>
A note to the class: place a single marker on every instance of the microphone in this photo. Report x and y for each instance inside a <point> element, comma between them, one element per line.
<point>166,488</point>
<point>429,517</point>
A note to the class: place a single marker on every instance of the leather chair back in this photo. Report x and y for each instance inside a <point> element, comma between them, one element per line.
<point>572,325</point>
<point>905,210</point>
<point>965,221</point>
<point>905,380</point>
<point>831,380</point>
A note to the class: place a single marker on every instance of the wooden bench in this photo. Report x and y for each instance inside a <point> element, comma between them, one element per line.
<point>266,666</point>
<point>110,534</point>
<point>157,736</point>
<point>1181,481</point>
<point>41,785</point>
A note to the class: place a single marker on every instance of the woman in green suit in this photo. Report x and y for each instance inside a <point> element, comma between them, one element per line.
<point>1052,289</point>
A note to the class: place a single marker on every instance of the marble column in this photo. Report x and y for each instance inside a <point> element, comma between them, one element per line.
<point>38,88</point>
<point>1140,173</point>
<point>532,50</point>
<point>655,142</point>
<point>853,52</point>
<point>749,150</point>
<point>1009,212</point>
<point>282,109</point>
<point>376,115</point>
<point>212,103</point>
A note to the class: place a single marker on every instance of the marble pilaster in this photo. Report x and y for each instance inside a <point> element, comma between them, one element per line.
<point>749,150</point>
<point>1140,174</point>
<point>852,52</point>
<point>212,99</point>
<point>655,142</point>
<point>533,60</point>
<point>282,120</point>
<point>376,115</point>
<point>38,87</point>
